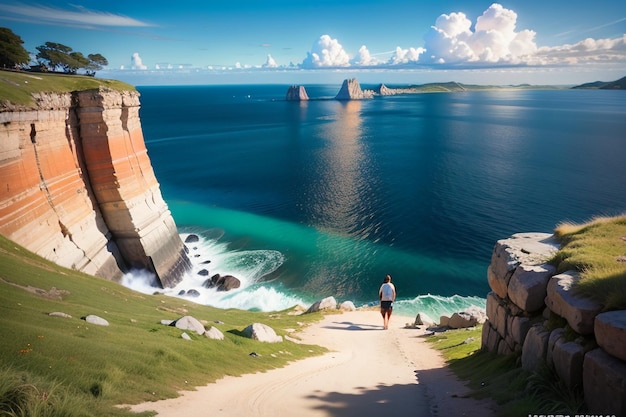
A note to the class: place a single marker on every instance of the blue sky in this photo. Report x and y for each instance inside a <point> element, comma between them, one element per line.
<point>325,41</point>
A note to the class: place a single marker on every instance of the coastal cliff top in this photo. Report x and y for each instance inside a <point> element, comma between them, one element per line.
<point>17,88</point>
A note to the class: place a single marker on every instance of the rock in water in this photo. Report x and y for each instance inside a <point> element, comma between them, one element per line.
<point>296,93</point>
<point>351,90</point>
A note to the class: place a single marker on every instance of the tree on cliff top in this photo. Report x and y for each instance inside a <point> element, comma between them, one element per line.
<point>55,55</point>
<point>96,62</point>
<point>12,53</point>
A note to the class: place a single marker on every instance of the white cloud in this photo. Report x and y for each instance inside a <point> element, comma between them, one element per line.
<point>270,62</point>
<point>405,56</point>
<point>136,62</point>
<point>326,52</point>
<point>586,51</point>
<point>80,16</point>
<point>494,39</point>
<point>365,58</point>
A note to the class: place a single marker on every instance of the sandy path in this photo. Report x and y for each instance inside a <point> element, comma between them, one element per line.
<point>370,372</point>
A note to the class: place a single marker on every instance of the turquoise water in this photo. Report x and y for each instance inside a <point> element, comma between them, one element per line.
<point>305,200</point>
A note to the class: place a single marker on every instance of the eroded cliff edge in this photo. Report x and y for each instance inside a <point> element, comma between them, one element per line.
<point>77,186</point>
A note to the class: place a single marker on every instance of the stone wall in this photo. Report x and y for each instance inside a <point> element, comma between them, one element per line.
<point>77,186</point>
<point>533,312</point>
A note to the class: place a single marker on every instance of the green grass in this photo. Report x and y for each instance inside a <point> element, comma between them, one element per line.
<point>67,367</point>
<point>597,250</point>
<point>18,87</point>
<point>501,378</point>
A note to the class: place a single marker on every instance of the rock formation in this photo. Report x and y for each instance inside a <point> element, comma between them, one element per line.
<point>351,90</point>
<point>77,186</point>
<point>383,90</point>
<point>526,301</point>
<point>296,93</point>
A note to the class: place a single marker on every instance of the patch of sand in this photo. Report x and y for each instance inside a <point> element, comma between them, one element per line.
<point>369,372</point>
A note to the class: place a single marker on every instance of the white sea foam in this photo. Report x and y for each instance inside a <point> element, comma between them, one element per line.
<point>249,266</point>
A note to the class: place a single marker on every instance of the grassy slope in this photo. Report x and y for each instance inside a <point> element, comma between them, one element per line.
<point>18,87</point>
<point>597,250</point>
<point>501,378</point>
<point>135,359</point>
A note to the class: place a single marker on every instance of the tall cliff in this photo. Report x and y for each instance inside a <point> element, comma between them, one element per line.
<point>77,186</point>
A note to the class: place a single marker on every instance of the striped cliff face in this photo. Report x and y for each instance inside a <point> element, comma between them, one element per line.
<point>77,187</point>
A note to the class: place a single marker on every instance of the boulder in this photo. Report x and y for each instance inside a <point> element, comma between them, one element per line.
<point>462,320</point>
<point>60,314</point>
<point>347,306</point>
<point>478,313</point>
<point>422,319</point>
<point>578,311</point>
<point>98,321</point>
<point>535,348</point>
<point>604,383</point>
<point>222,283</point>
<point>444,321</point>
<point>328,303</point>
<point>262,333</point>
<point>193,293</point>
<point>203,272</point>
<point>527,287</point>
<point>228,283</point>
<point>214,333</point>
<point>296,93</point>
<point>610,332</point>
<point>192,238</point>
<point>189,323</point>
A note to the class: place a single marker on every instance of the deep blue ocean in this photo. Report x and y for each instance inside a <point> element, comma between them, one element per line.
<point>302,200</point>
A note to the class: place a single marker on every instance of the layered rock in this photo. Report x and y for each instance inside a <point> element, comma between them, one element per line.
<point>77,186</point>
<point>296,93</point>
<point>525,307</point>
<point>46,201</point>
<point>351,90</point>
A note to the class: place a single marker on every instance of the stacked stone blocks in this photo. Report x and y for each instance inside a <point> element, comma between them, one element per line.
<point>534,312</point>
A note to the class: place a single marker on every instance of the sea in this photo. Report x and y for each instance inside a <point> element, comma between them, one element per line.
<point>310,199</point>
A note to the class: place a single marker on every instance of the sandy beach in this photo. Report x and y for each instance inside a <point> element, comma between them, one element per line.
<point>369,372</point>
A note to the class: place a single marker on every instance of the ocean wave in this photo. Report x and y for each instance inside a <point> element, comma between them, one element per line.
<point>210,256</point>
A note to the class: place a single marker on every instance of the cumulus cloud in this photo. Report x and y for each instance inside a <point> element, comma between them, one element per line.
<point>406,56</point>
<point>136,62</point>
<point>326,52</point>
<point>364,58</point>
<point>494,39</point>
<point>270,62</point>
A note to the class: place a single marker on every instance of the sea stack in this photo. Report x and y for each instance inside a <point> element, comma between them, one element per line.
<point>351,90</point>
<point>296,93</point>
<point>383,90</point>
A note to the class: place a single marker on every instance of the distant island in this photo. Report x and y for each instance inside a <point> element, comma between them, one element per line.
<point>604,85</point>
<point>351,89</point>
